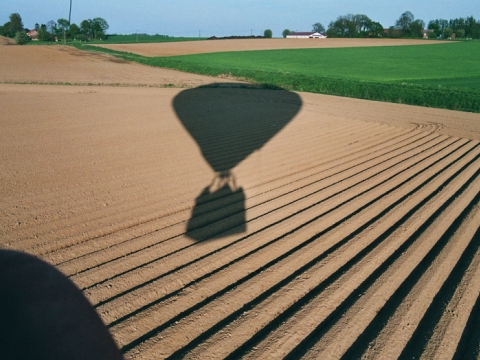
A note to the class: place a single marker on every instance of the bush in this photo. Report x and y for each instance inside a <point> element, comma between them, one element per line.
<point>460,33</point>
<point>82,37</point>
<point>100,35</point>
<point>448,32</point>
<point>22,38</point>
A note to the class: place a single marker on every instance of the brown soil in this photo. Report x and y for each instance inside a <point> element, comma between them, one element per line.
<point>208,46</point>
<point>6,41</point>
<point>65,64</point>
<point>345,228</point>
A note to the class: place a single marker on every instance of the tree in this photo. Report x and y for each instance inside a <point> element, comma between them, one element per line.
<point>448,32</point>
<point>63,25</point>
<point>43,34</point>
<point>338,28</point>
<point>22,38</point>
<point>268,33</point>
<point>456,24</point>
<point>10,28</point>
<point>63,28</point>
<point>437,25</point>
<point>404,22</point>
<point>416,28</point>
<point>472,28</point>
<point>5,30</point>
<point>16,23</point>
<point>99,27</point>
<point>285,33</point>
<point>86,28</point>
<point>376,30</point>
<point>318,27</point>
<point>460,33</point>
<point>52,28</point>
<point>74,30</point>
<point>354,26</point>
<point>362,23</point>
<point>392,32</point>
<point>94,29</point>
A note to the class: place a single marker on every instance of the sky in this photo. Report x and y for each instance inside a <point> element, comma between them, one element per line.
<point>190,18</point>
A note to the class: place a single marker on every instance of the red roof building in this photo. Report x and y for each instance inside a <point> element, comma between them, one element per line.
<point>33,34</point>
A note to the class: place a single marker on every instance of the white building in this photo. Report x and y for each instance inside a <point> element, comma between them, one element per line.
<point>306,35</point>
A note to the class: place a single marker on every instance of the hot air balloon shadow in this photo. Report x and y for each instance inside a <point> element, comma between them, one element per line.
<point>229,122</point>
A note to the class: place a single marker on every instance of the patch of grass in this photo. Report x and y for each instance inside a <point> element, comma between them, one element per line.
<point>472,82</point>
<point>384,64</point>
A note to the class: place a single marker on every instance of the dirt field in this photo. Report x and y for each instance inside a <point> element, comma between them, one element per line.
<point>200,47</point>
<point>65,64</point>
<point>6,41</point>
<point>230,222</point>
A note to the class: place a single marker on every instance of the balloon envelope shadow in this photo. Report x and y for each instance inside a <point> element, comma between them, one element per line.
<point>229,122</point>
<point>43,315</point>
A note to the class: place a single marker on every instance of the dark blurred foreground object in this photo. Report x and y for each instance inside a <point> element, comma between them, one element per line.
<point>43,315</point>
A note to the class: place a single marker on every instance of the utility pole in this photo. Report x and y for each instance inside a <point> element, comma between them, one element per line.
<point>70,13</point>
<point>137,35</point>
<point>69,19</point>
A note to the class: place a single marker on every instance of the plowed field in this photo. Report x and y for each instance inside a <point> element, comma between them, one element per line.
<point>231,222</point>
<point>209,46</point>
<point>67,65</point>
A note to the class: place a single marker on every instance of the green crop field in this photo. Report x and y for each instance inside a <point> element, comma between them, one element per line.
<point>413,64</point>
<point>443,75</point>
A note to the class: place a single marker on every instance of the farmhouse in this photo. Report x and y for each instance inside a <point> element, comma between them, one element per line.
<point>33,34</point>
<point>306,35</point>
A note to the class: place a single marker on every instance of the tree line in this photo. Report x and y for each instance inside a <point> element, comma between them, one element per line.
<point>350,25</point>
<point>89,29</point>
<point>406,26</point>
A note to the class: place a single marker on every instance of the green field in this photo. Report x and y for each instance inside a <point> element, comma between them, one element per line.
<point>443,75</point>
<point>412,64</point>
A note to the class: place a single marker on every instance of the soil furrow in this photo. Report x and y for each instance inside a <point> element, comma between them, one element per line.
<point>411,310</point>
<point>235,332</point>
<point>426,251</point>
<point>302,207</point>
<point>439,331</point>
<point>68,249</point>
<point>308,317</point>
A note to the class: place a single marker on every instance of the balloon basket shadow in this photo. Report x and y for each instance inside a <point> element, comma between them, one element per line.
<point>219,210</point>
